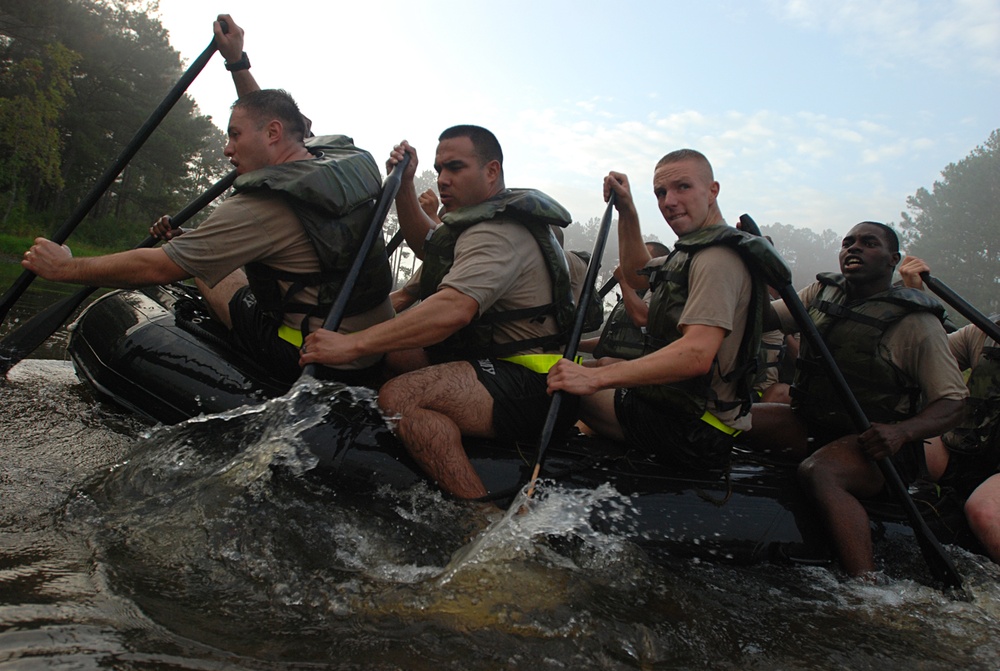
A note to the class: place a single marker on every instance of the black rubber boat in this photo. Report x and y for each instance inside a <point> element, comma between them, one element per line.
<point>157,353</point>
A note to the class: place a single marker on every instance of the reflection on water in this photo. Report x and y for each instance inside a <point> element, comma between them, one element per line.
<point>125,547</point>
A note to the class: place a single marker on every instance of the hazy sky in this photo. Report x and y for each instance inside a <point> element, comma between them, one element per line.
<point>813,113</point>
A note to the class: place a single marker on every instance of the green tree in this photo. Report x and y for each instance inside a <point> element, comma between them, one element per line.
<point>124,66</point>
<point>953,226</point>
<point>34,98</point>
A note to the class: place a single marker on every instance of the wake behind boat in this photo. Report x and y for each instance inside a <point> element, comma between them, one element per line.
<point>157,353</point>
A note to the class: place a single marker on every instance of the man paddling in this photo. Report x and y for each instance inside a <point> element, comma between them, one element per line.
<point>689,395</point>
<point>967,458</point>
<point>269,260</point>
<point>496,305</point>
<point>891,347</point>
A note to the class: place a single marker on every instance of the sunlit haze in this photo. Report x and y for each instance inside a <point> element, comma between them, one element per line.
<point>813,114</point>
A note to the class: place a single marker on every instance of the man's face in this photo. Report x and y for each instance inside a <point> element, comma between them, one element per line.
<point>686,195</point>
<point>865,255</point>
<point>248,145</point>
<point>461,180</point>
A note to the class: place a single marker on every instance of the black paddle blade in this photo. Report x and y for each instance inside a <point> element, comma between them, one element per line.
<point>38,329</point>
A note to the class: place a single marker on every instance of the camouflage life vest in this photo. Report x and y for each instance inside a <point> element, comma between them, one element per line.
<point>669,284</point>
<point>536,212</point>
<point>333,196</point>
<point>621,338</point>
<point>979,432</point>
<point>853,333</point>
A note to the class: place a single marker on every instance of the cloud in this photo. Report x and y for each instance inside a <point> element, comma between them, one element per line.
<point>939,35</point>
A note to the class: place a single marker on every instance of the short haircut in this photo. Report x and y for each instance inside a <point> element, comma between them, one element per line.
<point>890,234</point>
<point>679,155</point>
<point>485,143</point>
<point>268,104</point>
<point>659,249</point>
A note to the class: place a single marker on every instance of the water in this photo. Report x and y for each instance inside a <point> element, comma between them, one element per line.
<point>125,546</point>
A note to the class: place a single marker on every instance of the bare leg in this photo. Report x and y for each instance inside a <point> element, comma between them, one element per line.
<point>837,476</point>
<point>936,455</point>
<point>597,411</point>
<point>404,361</point>
<point>437,405</point>
<point>983,512</point>
<point>778,431</point>
<point>218,297</point>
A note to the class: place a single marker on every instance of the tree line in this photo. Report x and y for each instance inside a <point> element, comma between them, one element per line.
<point>79,77</point>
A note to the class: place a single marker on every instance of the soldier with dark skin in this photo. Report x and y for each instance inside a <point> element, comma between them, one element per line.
<point>842,471</point>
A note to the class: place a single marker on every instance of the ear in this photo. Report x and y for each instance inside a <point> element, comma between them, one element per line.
<point>715,189</point>
<point>493,170</point>
<point>275,131</point>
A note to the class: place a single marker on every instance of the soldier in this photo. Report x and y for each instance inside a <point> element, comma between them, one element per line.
<point>496,306</point>
<point>967,458</point>
<point>890,344</point>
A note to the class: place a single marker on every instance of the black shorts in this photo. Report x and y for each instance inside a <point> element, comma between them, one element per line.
<point>965,472</point>
<point>673,437</point>
<point>255,333</point>
<point>520,400</point>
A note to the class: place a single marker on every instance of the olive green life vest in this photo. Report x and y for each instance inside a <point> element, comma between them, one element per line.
<point>333,197</point>
<point>621,338</point>
<point>669,284</point>
<point>536,212</point>
<point>853,333</point>
<point>979,432</point>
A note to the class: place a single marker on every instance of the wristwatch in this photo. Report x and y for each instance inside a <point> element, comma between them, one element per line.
<point>242,64</point>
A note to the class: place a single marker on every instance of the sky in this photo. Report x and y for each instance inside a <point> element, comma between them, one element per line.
<point>813,114</point>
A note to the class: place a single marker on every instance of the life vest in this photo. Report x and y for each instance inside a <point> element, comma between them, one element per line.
<point>979,432</point>
<point>621,338</point>
<point>536,212</point>
<point>669,284</point>
<point>333,195</point>
<point>853,333</point>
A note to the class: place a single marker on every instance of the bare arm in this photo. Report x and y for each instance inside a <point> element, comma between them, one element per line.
<point>230,47</point>
<point>884,440</point>
<point>125,270</point>
<point>635,307</point>
<point>690,356</point>
<point>632,252</point>
<point>436,318</point>
<point>413,221</point>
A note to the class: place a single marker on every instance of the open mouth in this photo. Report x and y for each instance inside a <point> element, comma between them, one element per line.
<point>852,262</point>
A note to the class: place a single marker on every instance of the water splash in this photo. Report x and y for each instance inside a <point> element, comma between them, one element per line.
<point>552,512</point>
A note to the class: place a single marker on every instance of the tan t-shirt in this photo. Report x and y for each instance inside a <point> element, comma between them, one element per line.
<point>501,264</point>
<point>248,227</point>
<point>917,344</point>
<point>719,292</point>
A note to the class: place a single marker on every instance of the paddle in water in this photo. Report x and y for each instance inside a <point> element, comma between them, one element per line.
<point>40,327</point>
<point>111,174</point>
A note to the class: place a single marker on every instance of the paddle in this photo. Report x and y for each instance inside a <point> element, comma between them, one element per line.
<point>586,293</point>
<point>389,190</point>
<point>40,327</point>
<point>963,307</point>
<point>115,169</point>
<point>938,562</point>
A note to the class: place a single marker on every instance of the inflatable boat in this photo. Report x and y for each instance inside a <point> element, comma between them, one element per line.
<point>156,352</point>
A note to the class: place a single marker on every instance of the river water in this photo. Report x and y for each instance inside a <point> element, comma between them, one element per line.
<point>127,546</point>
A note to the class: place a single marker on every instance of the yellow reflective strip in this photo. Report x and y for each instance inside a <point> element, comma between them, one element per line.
<point>288,334</point>
<point>539,363</point>
<point>717,423</point>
